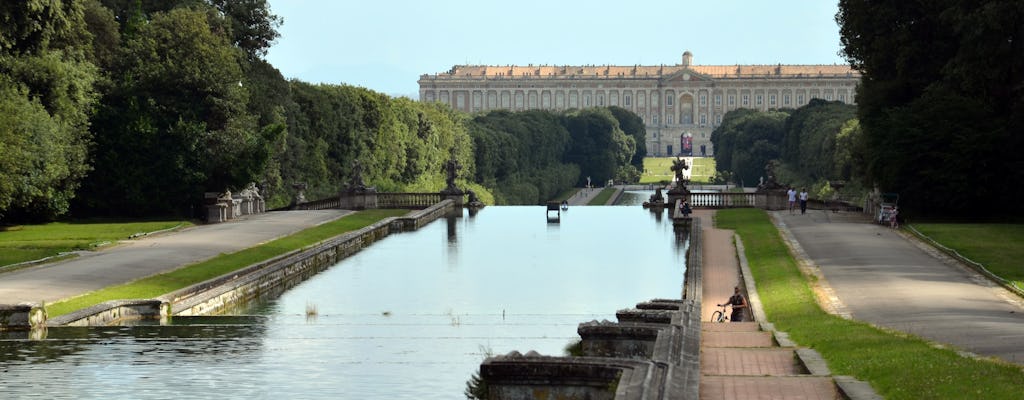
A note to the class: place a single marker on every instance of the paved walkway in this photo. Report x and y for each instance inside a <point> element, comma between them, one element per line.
<point>890,279</point>
<point>139,258</point>
<point>584,195</point>
<point>738,359</point>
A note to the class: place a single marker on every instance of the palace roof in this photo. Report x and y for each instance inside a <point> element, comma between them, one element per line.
<point>644,71</point>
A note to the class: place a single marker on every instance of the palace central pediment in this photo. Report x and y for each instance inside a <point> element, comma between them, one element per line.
<point>684,75</point>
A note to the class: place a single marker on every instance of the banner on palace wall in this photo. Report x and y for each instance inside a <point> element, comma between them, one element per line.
<point>686,143</point>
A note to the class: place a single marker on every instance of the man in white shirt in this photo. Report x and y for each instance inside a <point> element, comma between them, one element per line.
<point>792,199</point>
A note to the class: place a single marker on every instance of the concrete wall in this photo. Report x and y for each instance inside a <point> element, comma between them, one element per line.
<point>268,278</point>
<point>277,275</point>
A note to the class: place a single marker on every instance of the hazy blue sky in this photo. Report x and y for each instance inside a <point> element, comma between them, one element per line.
<point>385,45</point>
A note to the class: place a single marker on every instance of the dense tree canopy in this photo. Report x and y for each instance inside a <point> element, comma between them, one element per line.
<point>745,142</point>
<point>136,108</point>
<point>46,95</point>
<point>941,102</point>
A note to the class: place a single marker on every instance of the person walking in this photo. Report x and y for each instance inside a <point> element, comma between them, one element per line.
<point>739,303</point>
<point>803,200</point>
<point>893,223</point>
<point>791,194</point>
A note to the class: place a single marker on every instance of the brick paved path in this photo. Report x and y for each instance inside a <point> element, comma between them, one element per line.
<point>738,359</point>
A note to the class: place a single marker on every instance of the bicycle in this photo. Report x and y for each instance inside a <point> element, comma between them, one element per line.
<point>719,316</point>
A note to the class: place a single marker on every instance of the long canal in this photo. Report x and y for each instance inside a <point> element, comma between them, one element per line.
<point>412,316</point>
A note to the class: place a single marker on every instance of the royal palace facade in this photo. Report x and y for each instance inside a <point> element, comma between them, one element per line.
<point>679,104</point>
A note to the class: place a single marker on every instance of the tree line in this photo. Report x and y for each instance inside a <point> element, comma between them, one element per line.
<point>941,101</point>
<point>137,108</point>
<point>939,115</point>
<point>813,146</point>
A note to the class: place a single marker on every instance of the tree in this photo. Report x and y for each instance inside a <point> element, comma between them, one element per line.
<point>47,94</point>
<point>746,141</point>
<point>943,86</point>
<point>253,27</point>
<point>632,125</point>
<point>176,123</point>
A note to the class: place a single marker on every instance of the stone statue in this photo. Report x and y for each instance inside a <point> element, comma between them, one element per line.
<point>678,166</point>
<point>452,168</point>
<point>300,197</point>
<point>356,180</point>
<point>770,183</point>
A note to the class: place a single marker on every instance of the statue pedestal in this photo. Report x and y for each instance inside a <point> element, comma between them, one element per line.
<point>359,199</point>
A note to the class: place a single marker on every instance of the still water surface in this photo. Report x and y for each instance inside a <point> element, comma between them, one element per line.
<point>412,316</point>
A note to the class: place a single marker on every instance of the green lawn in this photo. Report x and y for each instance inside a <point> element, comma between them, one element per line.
<point>161,284</point>
<point>22,243</point>
<point>996,246</point>
<point>603,197</point>
<point>897,365</point>
<point>658,169</point>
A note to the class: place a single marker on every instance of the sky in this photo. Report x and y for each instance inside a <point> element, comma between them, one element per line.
<point>385,45</point>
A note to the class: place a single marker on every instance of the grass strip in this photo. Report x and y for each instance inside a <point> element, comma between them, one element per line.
<point>702,169</point>
<point>160,284</point>
<point>996,246</point>
<point>21,243</point>
<point>603,197</point>
<point>659,170</point>
<point>899,366</point>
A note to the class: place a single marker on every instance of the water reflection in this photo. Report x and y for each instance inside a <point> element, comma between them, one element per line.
<point>410,317</point>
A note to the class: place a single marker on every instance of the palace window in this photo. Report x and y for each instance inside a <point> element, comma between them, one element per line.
<point>732,100</point>
<point>746,99</point>
<point>719,118</point>
<point>654,119</point>
<point>519,100</point>
<point>640,99</point>
<point>718,99</point>
<point>760,99</point>
<point>668,120</point>
<point>842,98</point>
<point>668,100</point>
<point>703,99</point>
<point>828,96</point>
<point>799,99</point>
<point>626,100</point>
<point>460,101</point>
<point>703,119</point>
<point>600,100</point>
<point>771,99</point>
<point>785,99</point>
<point>586,100</point>
<point>573,99</point>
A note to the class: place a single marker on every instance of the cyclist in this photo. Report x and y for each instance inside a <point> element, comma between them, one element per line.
<point>739,303</point>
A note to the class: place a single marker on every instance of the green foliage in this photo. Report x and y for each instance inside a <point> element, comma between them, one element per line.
<point>897,365</point>
<point>746,141</point>
<point>520,155</point>
<point>175,99</point>
<point>633,126</point>
<point>598,146</point>
<point>46,95</point>
<point>175,124</point>
<point>940,103</point>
